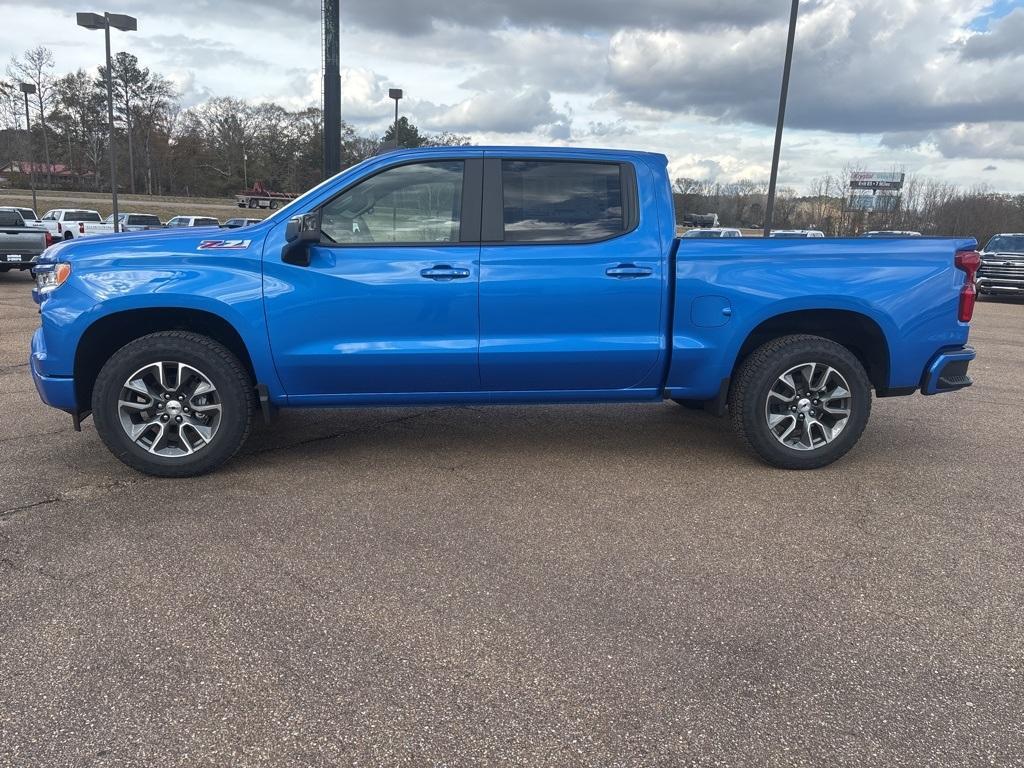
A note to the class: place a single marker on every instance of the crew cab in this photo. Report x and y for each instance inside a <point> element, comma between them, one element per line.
<point>1002,265</point>
<point>69,223</point>
<point>468,275</point>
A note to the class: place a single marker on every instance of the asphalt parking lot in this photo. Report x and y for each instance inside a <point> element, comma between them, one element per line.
<point>578,585</point>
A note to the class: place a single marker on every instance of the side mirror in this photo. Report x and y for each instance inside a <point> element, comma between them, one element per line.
<point>300,232</point>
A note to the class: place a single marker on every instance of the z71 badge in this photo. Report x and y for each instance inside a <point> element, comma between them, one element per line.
<point>223,245</point>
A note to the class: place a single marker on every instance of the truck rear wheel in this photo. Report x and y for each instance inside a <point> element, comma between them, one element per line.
<point>800,402</point>
<point>173,404</point>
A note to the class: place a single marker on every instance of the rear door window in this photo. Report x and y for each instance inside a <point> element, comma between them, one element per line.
<point>545,201</point>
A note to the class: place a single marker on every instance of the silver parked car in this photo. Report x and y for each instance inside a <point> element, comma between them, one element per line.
<point>193,221</point>
<point>135,222</point>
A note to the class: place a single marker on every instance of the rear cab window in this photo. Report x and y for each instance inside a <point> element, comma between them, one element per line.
<point>82,216</point>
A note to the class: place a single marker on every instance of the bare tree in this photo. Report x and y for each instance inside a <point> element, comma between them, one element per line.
<point>36,67</point>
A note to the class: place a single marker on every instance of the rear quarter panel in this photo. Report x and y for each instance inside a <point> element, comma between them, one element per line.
<point>908,287</point>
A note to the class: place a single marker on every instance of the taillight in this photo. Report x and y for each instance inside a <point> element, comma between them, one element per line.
<point>49,239</point>
<point>81,228</point>
<point>968,262</point>
<point>59,228</point>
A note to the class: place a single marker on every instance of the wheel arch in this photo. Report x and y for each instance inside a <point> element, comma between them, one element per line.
<point>109,333</point>
<point>856,331</point>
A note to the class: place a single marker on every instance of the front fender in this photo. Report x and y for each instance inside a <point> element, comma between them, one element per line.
<point>228,286</point>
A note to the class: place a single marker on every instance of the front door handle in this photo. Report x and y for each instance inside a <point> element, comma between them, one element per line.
<point>629,270</point>
<point>444,272</point>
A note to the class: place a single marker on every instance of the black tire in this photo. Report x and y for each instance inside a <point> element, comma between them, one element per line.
<point>68,236</point>
<point>757,375</point>
<point>234,387</point>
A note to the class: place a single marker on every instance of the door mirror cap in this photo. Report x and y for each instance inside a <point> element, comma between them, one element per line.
<point>303,229</point>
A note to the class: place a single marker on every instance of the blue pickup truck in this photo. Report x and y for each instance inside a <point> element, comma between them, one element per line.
<point>491,275</point>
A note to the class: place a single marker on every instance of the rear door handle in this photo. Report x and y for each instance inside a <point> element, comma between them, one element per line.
<point>629,270</point>
<point>444,272</point>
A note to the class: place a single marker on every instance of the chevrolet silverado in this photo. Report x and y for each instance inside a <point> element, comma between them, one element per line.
<point>462,275</point>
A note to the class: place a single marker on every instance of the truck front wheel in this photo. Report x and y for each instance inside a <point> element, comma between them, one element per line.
<point>800,402</point>
<point>173,404</point>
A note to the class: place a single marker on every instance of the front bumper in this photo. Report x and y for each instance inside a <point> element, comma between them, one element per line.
<point>947,372</point>
<point>1000,285</point>
<point>56,391</point>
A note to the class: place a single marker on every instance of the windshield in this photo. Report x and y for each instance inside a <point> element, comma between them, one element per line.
<point>1006,244</point>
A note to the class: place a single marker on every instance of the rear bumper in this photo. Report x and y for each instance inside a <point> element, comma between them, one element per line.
<point>56,391</point>
<point>947,372</point>
<point>25,260</point>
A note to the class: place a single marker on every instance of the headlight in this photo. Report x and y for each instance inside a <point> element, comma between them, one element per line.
<point>49,280</point>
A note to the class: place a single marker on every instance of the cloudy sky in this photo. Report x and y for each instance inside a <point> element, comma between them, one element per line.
<point>934,86</point>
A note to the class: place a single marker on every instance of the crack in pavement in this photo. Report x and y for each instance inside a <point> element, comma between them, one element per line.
<point>70,495</point>
<point>342,433</point>
<point>34,434</point>
<point>5,513</point>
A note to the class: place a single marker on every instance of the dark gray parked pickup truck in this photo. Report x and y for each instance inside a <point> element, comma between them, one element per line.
<point>20,246</point>
<point>1002,265</point>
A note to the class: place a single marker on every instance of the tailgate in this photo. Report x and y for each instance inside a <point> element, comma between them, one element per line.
<point>22,242</point>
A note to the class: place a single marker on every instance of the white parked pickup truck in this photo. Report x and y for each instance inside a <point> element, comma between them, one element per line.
<point>69,223</point>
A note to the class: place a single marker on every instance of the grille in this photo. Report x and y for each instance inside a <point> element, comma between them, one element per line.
<point>1002,268</point>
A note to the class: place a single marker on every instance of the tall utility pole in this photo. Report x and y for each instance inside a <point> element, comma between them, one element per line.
<point>125,24</point>
<point>769,209</point>
<point>332,88</point>
<point>27,88</point>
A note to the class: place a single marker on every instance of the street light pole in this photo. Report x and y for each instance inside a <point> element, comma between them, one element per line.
<point>110,129</point>
<point>769,209</point>
<point>125,24</point>
<point>27,88</point>
<point>396,94</point>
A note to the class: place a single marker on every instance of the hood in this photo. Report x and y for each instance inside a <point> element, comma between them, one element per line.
<point>183,242</point>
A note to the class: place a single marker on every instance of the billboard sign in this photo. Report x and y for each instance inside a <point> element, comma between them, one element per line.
<point>875,180</point>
